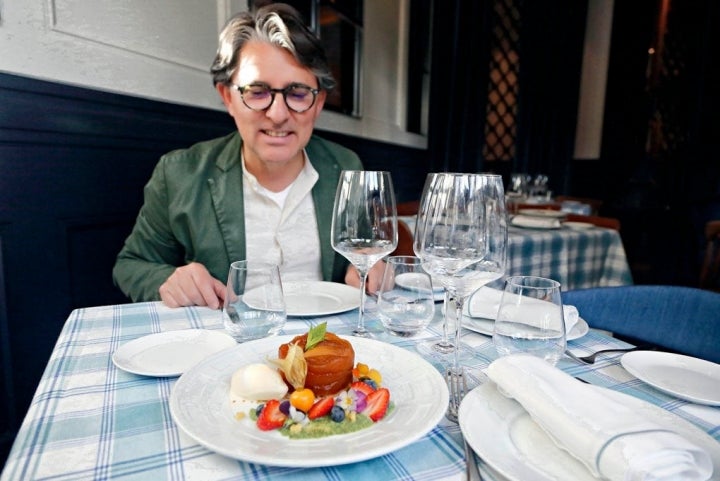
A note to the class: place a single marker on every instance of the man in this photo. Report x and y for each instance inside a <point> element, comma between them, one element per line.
<point>264,192</point>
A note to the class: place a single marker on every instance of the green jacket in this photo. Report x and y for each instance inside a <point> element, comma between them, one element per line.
<point>193,211</point>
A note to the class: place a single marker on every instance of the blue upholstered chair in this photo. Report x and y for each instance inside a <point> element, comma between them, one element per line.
<point>682,319</point>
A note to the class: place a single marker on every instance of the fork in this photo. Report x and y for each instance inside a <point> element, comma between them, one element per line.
<point>458,387</point>
<point>457,383</point>
<point>590,358</point>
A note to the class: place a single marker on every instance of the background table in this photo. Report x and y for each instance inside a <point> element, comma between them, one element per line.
<point>89,420</point>
<point>577,258</point>
<point>593,257</point>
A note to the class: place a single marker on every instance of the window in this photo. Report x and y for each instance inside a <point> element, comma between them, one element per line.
<point>339,25</point>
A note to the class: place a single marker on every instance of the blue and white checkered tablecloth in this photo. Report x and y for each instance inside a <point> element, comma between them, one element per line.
<point>577,259</point>
<point>91,421</point>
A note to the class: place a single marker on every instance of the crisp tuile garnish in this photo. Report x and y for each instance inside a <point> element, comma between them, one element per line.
<point>294,366</point>
<point>316,334</point>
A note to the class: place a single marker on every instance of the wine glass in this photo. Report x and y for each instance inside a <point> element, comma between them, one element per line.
<point>461,236</point>
<point>364,225</point>
<point>530,319</point>
<point>443,346</point>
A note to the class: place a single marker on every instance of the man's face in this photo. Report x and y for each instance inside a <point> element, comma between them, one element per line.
<point>277,135</point>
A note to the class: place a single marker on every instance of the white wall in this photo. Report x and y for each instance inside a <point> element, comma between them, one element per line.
<point>162,50</point>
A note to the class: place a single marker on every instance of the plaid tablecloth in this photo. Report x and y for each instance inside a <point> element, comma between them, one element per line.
<point>577,259</point>
<point>91,421</point>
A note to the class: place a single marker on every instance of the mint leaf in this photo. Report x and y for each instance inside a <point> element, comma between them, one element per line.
<point>315,335</point>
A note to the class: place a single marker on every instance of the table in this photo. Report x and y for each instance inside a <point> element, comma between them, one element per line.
<point>89,420</point>
<point>577,258</point>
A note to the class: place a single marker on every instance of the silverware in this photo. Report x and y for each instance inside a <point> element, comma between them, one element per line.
<point>472,472</point>
<point>457,384</point>
<point>590,358</point>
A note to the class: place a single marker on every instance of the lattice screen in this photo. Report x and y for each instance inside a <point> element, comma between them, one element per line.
<point>501,122</point>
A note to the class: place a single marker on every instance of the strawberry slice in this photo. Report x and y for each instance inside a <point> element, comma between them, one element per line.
<point>362,387</point>
<point>321,408</point>
<point>271,417</point>
<point>377,404</point>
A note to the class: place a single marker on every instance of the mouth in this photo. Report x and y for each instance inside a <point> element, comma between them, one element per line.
<point>276,133</point>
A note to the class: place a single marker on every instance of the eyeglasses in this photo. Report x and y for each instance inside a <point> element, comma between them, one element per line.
<point>259,96</point>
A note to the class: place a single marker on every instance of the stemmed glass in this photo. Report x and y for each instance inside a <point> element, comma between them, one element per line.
<point>461,236</point>
<point>364,225</point>
<point>442,346</point>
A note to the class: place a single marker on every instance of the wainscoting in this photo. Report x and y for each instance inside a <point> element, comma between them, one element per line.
<point>73,163</point>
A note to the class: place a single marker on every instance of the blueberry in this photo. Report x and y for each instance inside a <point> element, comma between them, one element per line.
<point>259,409</point>
<point>285,407</point>
<point>370,383</point>
<point>337,414</point>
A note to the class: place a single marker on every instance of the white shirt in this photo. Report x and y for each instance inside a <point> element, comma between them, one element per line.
<point>281,228</point>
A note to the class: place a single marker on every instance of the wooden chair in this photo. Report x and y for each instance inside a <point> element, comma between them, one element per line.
<point>408,208</point>
<point>608,222</point>
<point>710,269</point>
<point>405,241</point>
<point>678,318</point>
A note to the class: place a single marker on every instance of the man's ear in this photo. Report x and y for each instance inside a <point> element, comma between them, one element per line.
<point>225,94</point>
<point>320,100</point>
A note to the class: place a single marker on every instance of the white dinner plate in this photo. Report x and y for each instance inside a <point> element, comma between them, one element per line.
<point>406,281</point>
<point>578,225</point>
<point>170,353</point>
<point>504,435</point>
<point>545,213</point>
<point>685,377</point>
<point>318,298</point>
<point>529,222</point>
<point>200,405</point>
<point>485,326</point>
<point>482,307</point>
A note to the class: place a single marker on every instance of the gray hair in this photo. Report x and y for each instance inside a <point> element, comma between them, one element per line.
<point>277,24</point>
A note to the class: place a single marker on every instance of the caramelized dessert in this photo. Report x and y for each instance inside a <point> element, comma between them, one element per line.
<point>329,363</point>
<point>313,389</point>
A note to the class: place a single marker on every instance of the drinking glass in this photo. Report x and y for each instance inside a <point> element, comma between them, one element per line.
<point>530,319</point>
<point>519,183</point>
<point>461,237</point>
<point>364,225</point>
<point>254,302</point>
<point>406,302</point>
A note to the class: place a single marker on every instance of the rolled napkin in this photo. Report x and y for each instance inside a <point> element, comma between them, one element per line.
<point>571,316</point>
<point>611,440</point>
<point>533,222</point>
<point>485,303</point>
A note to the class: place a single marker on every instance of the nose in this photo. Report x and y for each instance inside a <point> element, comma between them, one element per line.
<point>278,111</point>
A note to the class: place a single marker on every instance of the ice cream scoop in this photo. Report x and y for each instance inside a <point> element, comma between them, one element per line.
<point>257,382</point>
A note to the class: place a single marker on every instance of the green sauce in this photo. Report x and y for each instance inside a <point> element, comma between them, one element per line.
<point>322,427</point>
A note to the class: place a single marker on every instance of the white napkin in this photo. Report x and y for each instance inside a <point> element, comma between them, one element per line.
<point>571,316</point>
<point>535,222</point>
<point>485,303</point>
<point>613,441</point>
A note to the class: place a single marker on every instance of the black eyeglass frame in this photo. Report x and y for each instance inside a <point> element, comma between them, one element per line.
<point>283,91</point>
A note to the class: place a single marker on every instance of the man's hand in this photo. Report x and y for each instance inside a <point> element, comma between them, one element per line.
<point>192,285</point>
<point>374,278</point>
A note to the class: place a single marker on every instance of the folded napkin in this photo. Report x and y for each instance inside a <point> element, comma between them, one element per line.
<point>485,303</point>
<point>612,440</point>
<point>535,222</point>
